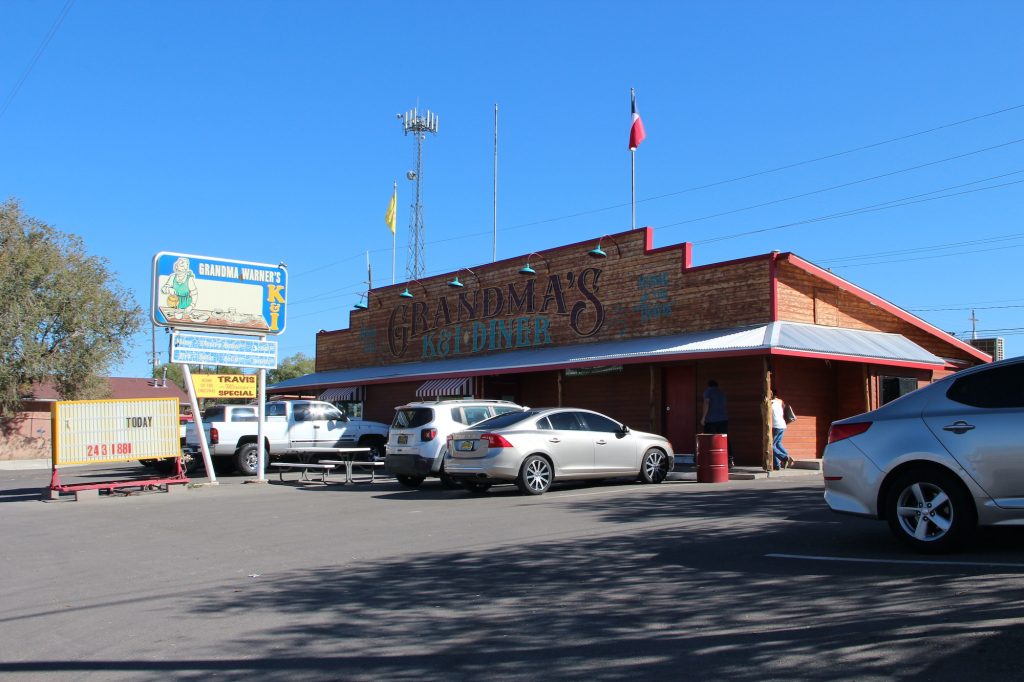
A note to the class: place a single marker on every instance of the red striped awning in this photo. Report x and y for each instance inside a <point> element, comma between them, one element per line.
<point>346,393</point>
<point>445,387</point>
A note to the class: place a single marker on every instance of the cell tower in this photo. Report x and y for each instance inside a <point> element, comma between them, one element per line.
<point>413,122</point>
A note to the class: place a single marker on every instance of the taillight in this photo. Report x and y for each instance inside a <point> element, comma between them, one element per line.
<point>838,432</point>
<point>428,435</point>
<point>495,440</point>
<point>214,436</point>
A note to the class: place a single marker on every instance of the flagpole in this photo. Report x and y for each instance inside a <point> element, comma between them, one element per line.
<point>632,183</point>
<point>494,254</point>
<point>393,232</point>
<point>632,163</point>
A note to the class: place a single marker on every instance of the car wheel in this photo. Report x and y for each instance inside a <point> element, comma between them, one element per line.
<point>378,449</point>
<point>246,459</point>
<point>535,476</point>
<point>929,510</point>
<point>476,487</point>
<point>409,481</point>
<point>448,481</point>
<point>654,466</point>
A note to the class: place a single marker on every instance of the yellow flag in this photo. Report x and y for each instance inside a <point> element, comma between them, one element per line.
<point>389,215</point>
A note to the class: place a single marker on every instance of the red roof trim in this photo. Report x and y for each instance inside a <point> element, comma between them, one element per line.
<point>907,317</point>
<point>856,358</point>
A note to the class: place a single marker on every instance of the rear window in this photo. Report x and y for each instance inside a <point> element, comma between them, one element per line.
<point>502,421</point>
<point>213,414</point>
<point>243,414</point>
<point>411,417</point>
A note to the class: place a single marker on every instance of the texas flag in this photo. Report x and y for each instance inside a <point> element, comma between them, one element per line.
<point>636,131</point>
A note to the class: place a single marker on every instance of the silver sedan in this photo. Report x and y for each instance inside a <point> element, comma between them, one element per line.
<point>938,461</point>
<point>539,446</point>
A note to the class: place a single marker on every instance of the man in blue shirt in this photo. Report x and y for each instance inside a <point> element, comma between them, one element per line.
<point>715,418</point>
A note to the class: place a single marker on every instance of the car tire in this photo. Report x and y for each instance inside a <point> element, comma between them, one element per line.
<point>535,476</point>
<point>246,459</point>
<point>409,481</point>
<point>654,466</point>
<point>448,481</point>
<point>378,448</point>
<point>475,487</point>
<point>929,510</point>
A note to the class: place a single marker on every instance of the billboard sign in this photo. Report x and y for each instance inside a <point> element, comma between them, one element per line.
<point>202,293</point>
<point>101,431</point>
<point>232,351</point>
<point>225,385</point>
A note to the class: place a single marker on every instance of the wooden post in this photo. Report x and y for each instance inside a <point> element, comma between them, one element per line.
<point>766,416</point>
<point>558,381</point>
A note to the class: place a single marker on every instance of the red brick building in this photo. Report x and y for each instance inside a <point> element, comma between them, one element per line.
<point>615,325</point>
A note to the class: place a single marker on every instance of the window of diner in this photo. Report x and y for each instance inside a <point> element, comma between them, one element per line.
<point>894,387</point>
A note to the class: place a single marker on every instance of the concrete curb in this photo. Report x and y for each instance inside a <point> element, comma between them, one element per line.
<point>22,464</point>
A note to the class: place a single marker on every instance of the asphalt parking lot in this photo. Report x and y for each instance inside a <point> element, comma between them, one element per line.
<point>747,580</point>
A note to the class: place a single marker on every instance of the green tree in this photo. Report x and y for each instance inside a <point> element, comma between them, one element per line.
<point>174,373</point>
<point>63,318</point>
<point>297,365</point>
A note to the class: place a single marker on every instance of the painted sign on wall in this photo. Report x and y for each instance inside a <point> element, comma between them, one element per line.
<point>225,385</point>
<point>99,431</point>
<point>516,315</point>
<point>212,294</point>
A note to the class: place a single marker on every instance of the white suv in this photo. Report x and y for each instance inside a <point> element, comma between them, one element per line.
<point>418,438</point>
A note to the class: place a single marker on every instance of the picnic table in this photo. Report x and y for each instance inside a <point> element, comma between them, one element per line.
<point>345,457</point>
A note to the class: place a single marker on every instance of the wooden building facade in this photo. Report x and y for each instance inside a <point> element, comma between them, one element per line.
<point>615,325</point>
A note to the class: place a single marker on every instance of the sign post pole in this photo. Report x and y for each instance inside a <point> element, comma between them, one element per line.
<point>262,412</point>
<point>197,420</point>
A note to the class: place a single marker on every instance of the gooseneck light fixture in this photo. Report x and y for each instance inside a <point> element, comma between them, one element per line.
<point>456,283</point>
<point>528,269</point>
<point>408,294</point>
<point>598,252</point>
<point>364,300</point>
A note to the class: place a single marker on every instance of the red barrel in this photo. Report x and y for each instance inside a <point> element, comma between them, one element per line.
<point>712,458</point>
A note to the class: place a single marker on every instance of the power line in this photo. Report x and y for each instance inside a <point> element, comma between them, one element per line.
<point>844,185</point>
<point>35,58</point>
<point>885,205</point>
<point>776,169</point>
<point>934,247</point>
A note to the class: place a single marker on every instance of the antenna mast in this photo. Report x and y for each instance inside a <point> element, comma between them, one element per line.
<point>413,122</point>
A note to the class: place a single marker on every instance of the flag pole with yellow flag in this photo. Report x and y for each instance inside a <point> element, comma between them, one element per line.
<point>390,219</point>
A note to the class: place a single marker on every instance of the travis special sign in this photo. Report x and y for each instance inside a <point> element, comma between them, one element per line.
<point>225,385</point>
<point>212,294</point>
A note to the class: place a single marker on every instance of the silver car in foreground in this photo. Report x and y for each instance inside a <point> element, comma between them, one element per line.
<point>938,461</point>
<point>537,447</point>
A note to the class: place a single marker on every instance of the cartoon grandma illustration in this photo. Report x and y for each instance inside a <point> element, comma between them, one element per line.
<point>181,289</point>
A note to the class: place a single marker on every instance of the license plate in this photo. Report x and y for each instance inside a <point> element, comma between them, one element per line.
<point>403,439</point>
<point>465,445</point>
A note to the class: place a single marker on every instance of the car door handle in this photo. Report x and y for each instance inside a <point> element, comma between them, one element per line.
<point>316,426</point>
<point>554,440</point>
<point>958,427</point>
<point>602,442</point>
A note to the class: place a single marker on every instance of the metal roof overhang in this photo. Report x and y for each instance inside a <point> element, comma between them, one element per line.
<point>776,338</point>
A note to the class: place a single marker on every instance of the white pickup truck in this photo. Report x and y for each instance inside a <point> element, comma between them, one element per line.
<point>231,431</point>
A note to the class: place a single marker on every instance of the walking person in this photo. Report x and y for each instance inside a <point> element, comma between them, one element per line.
<point>715,418</point>
<point>782,458</point>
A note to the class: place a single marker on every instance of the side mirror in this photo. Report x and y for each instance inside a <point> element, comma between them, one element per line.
<point>624,430</point>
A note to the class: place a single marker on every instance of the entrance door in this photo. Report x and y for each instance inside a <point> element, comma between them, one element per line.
<point>680,408</point>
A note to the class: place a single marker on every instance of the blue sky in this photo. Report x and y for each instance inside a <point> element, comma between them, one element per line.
<point>266,131</point>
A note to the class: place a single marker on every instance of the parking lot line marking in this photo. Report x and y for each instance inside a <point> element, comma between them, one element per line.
<point>914,562</point>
